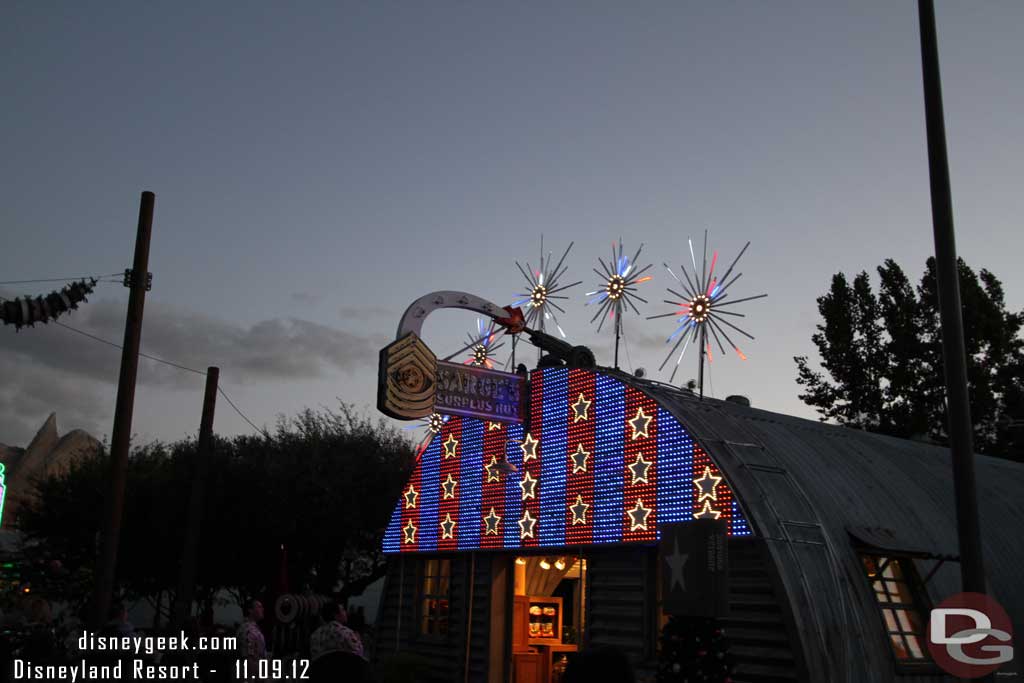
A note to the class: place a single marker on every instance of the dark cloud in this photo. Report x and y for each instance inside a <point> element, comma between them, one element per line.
<point>30,392</point>
<point>51,368</point>
<point>272,349</point>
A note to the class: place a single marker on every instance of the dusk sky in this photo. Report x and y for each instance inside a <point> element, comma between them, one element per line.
<point>318,166</point>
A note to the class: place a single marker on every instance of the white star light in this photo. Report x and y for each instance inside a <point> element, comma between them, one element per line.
<point>449,446</point>
<point>707,484</point>
<point>410,497</point>
<point>639,469</point>
<point>579,459</point>
<point>529,486</point>
<point>448,486</point>
<point>526,525</point>
<point>491,520</point>
<point>638,516</point>
<point>707,512</point>
<point>639,423</point>
<point>447,526</point>
<point>579,510</point>
<point>529,448</point>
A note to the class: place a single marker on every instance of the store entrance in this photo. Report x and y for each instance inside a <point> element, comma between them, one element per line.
<point>548,615</point>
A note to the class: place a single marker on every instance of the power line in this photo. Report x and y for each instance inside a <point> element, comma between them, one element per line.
<point>220,390</point>
<point>59,279</point>
<point>118,346</point>
<point>263,432</point>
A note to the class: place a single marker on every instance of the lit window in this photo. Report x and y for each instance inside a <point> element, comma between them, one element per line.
<point>434,597</point>
<point>893,581</point>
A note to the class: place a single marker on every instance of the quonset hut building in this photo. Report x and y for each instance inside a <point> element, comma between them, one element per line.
<point>839,540</point>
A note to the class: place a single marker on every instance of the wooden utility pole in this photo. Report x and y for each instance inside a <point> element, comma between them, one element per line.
<point>119,440</point>
<point>954,355</point>
<point>193,525</point>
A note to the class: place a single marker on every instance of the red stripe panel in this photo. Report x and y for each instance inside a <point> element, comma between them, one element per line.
<point>533,465</point>
<point>450,466</point>
<point>411,514</point>
<point>580,483</point>
<point>493,494</point>
<point>723,493</point>
<point>645,447</point>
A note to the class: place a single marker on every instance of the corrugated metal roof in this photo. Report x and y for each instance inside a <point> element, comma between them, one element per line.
<point>805,485</point>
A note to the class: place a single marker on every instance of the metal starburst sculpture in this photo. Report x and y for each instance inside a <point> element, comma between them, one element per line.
<point>543,287</point>
<point>618,288</point>
<point>700,310</point>
<point>482,346</point>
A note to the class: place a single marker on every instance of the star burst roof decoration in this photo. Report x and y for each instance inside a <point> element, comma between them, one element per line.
<point>699,308</point>
<point>482,345</point>
<point>618,286</point>
<point>543,286</point>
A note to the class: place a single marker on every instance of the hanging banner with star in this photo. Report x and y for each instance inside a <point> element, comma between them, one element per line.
<point>694,564</point>
<point>597,462</point>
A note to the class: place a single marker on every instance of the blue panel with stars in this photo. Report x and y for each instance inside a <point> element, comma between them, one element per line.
<point>430,494</point>
<point>471,472</point>
<point>675,470</point>
<point>393,534</point>
<point>513,494</point>
<point>609,459</point>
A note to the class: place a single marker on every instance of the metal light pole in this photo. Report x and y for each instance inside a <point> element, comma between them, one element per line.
<point>958,409</point>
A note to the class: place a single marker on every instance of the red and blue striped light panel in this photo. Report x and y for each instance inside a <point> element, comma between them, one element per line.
<point>598,462</point>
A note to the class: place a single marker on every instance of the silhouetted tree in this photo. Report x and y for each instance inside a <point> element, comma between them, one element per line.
<point>883,358</point>
<point>322,485</point>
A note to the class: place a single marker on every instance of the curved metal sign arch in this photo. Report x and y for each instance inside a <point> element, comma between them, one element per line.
<point>412,319</point>
<point>412,383</point>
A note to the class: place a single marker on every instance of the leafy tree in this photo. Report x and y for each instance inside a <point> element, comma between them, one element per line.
<point>883,357</point>
<point>62,526</point>
<point>322,486</point>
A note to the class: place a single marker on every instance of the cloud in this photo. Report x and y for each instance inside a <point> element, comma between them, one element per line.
<point>51,368</point>
<point>276,349</point>
<point>30,392</point>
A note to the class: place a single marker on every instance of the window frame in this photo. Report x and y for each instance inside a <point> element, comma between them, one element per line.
<point>436,569</point>
<point>914,606</point>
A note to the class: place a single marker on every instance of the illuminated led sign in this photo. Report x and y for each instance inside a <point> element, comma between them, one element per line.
<point>473,391</point>
<point>598,462</point>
